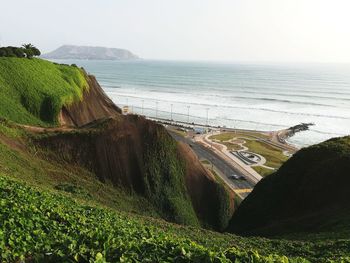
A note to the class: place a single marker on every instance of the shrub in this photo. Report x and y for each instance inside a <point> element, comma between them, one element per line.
<point>28,50</point>
<point>31,50</point>
<point>19,52</point>
<point>29,53</point>
<point>9,52</point>
<point>3,52</point>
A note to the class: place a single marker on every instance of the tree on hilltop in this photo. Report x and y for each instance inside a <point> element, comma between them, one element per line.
<point>27,50</point>
<point>31,50</point>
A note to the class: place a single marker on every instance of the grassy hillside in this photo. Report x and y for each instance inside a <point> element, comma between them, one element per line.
<point>63,212</point>
<point>308,194</point>
<point>165,180</point>
<point>44,227</point>
<point>98,193</point>
<point>32,91</point>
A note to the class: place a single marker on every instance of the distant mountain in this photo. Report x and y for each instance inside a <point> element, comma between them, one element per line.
<point>87,52</point>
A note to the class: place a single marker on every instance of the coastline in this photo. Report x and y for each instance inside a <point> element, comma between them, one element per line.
<point>252,97</point>
<point>284,144</point>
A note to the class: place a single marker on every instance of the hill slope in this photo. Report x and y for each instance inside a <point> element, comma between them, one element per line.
<point>38,226</point>
<point>39,92</point>
<point>308,194</point>
<point>86,52</point>
<point>91,185</point>
<point>128,152</point>
<point>33,91</point>
<point>141,157</point>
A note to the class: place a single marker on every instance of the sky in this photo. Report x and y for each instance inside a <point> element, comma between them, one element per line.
<point>211,30</point>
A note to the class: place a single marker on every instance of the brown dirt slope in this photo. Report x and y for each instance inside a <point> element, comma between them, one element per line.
<point>140,156</point>
<point>94,105</point>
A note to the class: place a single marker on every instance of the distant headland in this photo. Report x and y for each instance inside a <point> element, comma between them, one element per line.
<point>88,52</point>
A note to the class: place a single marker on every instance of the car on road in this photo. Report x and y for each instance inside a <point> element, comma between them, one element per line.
<point>236,177</point>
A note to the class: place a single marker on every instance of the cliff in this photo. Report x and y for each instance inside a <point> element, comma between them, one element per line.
<point>73,123</point>
<point>141,157</point>
<point>94,105</point>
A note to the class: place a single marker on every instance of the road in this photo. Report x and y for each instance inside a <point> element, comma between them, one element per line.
<point>225,168</point>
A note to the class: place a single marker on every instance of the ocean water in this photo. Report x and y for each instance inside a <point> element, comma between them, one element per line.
<point>250,96</point>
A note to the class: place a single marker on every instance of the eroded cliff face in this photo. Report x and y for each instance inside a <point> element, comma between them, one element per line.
<point>94,105</point>
<point>141,157</point>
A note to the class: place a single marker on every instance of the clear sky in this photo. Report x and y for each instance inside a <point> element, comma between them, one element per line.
<point>232,30</point>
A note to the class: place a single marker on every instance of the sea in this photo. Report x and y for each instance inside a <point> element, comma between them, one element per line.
<point>262,97</point>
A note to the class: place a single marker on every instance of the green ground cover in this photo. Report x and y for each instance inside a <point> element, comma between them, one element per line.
<point>32,91</point>
<point>230,135</point>
<point>262,170</point>
<point>274,156</point>
<point>44,227</point>
<point>63,213</point>
<point>54,211</point>
<point>205,162</point>
<point>232,146</point>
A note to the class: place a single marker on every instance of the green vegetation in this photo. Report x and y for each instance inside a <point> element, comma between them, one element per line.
<point>31,50</point>
<point>262,170</point>
<point>44,227</point>
<point>28,51</point>
<point>308,196</point>
<point>205,162</point>
<point>223,214</point>
<point>223,136</point>
<point>33,91</point>
<point>165,181</point>
<point>8,129</point>
<point>53,209</point>
<point>232,146</point>
<point>274,156</point>
<point>226,136</point>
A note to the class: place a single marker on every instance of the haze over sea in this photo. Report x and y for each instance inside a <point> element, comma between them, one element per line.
<point>250,96</point>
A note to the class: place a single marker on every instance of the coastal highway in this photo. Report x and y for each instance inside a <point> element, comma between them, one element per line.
<point>225,168</point>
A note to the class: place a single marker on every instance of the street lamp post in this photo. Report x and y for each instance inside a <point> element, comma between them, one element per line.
<point>142,107</point>
<point>171,111</point>
<point>207,116</point>
<point>157,109</point>
<point>188,114</point>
